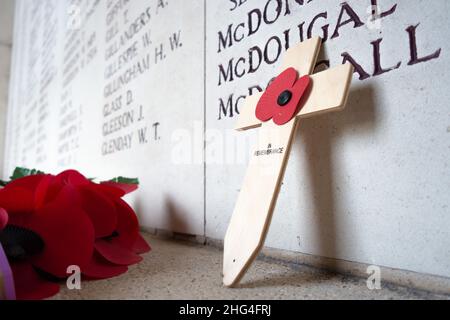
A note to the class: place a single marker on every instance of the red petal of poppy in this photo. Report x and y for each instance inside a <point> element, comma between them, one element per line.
<point>266,107</point>
<point>114,252</point>
<point>68,177</point>
<point>28,182</point>
<point>141,246</point>
<point>111,190</point>
<point>285,80</point>
<point>29,285</point>
<point>20,220</point>
<point>16,199</point>
<point>283,114</point>
<point>3,218</point>
<point>100,209</point>
<point>127,224</point>
<point>67,232</point>
<point>100,268</point>
<point>125,187</point>
<point>42,189</point>
<point>74,178</point>
<point>49,189</point>
<point>37,185</point>
<point>56,183</point>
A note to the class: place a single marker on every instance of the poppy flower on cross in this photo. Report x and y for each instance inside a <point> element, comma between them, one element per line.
<point>281,100</point>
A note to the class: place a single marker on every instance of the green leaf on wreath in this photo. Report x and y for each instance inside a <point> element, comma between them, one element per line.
<point>125,180</point>
<point>20,172</point>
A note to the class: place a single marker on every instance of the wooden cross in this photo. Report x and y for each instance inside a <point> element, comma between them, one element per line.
<point>327,91</point>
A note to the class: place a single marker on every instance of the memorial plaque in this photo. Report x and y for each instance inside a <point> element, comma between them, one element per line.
<point>366,184</point>
<point>101,86</point>
<point>153,88</point>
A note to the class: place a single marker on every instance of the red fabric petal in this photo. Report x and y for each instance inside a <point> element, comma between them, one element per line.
<point>34,185</point>
<point>48,190</point>
<point>141,246</point>
<point>264,108</point>
<point>41,192</point>
<point>29,285</point>
<point>111,190</point>
<point>28,182</point>
<point>125,187</point>
<point>73,177</point>
<point>116,253</point>
<point>127,224</point>
<point>16,199</point>
<point>285,80</point>
<point>3,218</point>
<point>100,268</point>
<point>67,232</point>
<point>283,114</point>
<point>20,220</point>
<point>100,209</point>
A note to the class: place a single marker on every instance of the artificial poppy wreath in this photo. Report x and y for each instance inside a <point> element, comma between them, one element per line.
<point>48,223</point>
<point>281,99</point>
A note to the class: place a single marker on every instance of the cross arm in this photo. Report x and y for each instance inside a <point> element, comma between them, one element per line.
<point>303,56</point>
<point>328,92</point>
<point>247,118</point>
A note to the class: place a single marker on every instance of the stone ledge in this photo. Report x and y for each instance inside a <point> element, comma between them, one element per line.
<point>390,276</point>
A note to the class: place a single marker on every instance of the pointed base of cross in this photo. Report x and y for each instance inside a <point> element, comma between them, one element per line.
<point>253,211</point>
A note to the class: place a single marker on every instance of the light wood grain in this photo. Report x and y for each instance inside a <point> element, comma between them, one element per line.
<point>252,214</point>
<point>257,198</point>
<point>247,118</point>
<point>328,92</point>
<point>302,57</point>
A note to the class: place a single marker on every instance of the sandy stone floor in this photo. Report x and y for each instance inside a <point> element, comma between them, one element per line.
<point>182,270</point>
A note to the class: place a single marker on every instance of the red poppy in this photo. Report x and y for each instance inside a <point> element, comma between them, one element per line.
<point>281,99</point>
<point>78,222</point>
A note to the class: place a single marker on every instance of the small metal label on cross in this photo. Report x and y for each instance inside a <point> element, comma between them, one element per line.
<point>293,95</point>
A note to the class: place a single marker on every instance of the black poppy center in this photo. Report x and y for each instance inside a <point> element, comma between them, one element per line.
<point>284,98</point>
<point>20,243</point>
